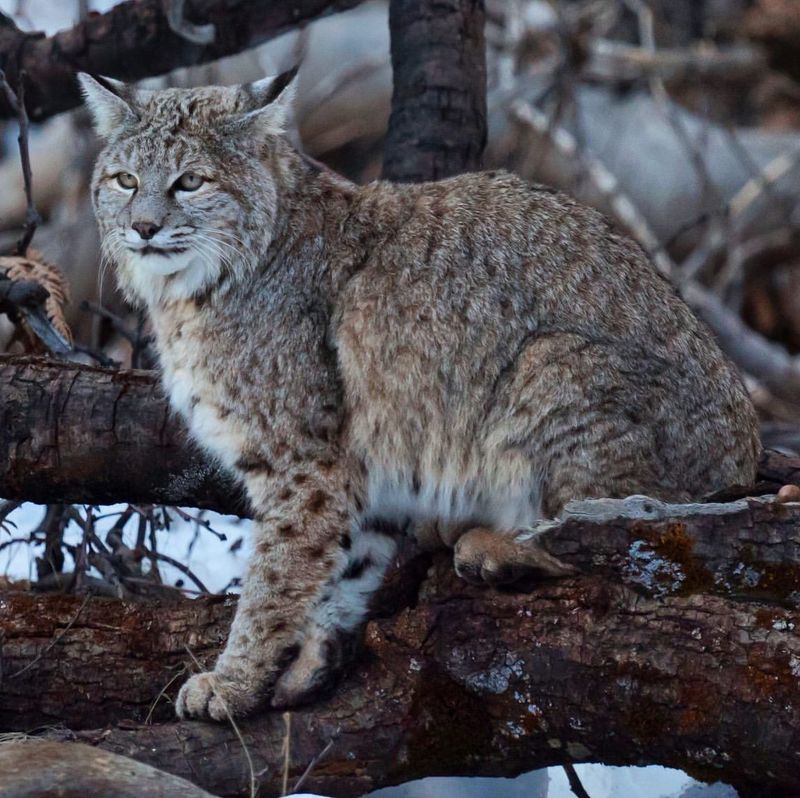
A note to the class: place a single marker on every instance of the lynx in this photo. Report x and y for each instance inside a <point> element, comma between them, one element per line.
<point>463,356</point>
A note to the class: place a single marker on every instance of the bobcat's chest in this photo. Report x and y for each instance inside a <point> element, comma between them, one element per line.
<point>194,377</point>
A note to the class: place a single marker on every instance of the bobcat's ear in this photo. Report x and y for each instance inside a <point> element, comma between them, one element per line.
<point>270,101</point>
<point>110,103</point>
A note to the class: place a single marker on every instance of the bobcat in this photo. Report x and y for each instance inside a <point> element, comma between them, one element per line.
<point>370,360</point>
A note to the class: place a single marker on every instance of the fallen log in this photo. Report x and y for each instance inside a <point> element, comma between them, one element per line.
<point>681,632</point>
<point>79,434</point>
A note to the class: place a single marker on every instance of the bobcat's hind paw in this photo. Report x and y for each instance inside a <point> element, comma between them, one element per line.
<point>211,695</point>
<point>315,669</point>
<point>494,558</point>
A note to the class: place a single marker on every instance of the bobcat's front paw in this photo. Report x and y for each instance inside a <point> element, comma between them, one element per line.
<point>315,670</point>
<point>212,695</point>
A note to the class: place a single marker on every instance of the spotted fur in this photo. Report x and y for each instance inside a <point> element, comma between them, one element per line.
<point>464,356</point>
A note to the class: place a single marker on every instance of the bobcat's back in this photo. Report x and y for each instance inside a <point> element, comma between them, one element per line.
<point>503,342</point>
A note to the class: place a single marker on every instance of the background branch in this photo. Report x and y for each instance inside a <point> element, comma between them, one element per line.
<point>17,102</point>
<point>136,40</point>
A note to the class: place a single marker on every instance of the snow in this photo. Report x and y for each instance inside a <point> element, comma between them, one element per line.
<point>600,781</point>
<point>217,563</point>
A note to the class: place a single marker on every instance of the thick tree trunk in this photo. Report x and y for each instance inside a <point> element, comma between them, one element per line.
<point>438,123</point>
<point>634,662</point>
<point>134,40</point>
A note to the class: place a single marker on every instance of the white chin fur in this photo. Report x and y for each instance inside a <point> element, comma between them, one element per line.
<point>154,278</point>
<point>162,264</point>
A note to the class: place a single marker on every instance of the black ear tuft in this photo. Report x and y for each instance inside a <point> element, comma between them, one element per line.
<point>108,85</point>
<point>280,83</point>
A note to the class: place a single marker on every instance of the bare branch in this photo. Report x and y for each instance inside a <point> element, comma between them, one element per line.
<point>17,103</point>
<point>135,40</point>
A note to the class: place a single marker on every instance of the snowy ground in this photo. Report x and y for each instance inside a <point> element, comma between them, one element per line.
<point>219,563</point>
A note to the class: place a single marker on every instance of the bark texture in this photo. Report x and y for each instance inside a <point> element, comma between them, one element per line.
<point>80,434</point>
<point>437,126</point>
<point>636,662</point>
<point>135,40</point>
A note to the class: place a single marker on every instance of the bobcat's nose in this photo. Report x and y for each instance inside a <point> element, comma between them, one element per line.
<point>146,230</point>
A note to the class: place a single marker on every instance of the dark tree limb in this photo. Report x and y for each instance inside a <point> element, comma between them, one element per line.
<point>466,681</point>
<point>437,126</point>
<point>136,40</point>
<point>16,100</point>
<point>80,434</point>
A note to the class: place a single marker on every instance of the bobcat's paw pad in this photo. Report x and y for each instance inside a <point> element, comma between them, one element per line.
<point>209,695</point>
<point>484,557</point>
<point>485,570</point>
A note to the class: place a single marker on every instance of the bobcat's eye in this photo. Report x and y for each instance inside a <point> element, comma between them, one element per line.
<point>189,182</point>
<point>127,180</point>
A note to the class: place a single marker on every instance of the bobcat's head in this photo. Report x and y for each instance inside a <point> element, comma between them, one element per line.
<point>185,186</point>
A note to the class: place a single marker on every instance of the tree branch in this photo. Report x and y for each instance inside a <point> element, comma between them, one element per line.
<point>79,434</point>
<point>16,100</point>
<point>136,40</point>
<point>466,681</point>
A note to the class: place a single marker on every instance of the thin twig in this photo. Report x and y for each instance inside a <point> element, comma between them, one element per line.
<point>135,337</point>
<point>574,781</point>
<point>6,508</point>
<point>82,557</point>
<point>777,168</point>
<point>19,539</point>
<point>54,641</point>
<point>287,752</point>
<point>644,15</point>
<point>163,690</point>
<point>157,555</point>
<point>17,102</point>
<point>253,780</point>
<point>199,521</point>
<point>314,762</point>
